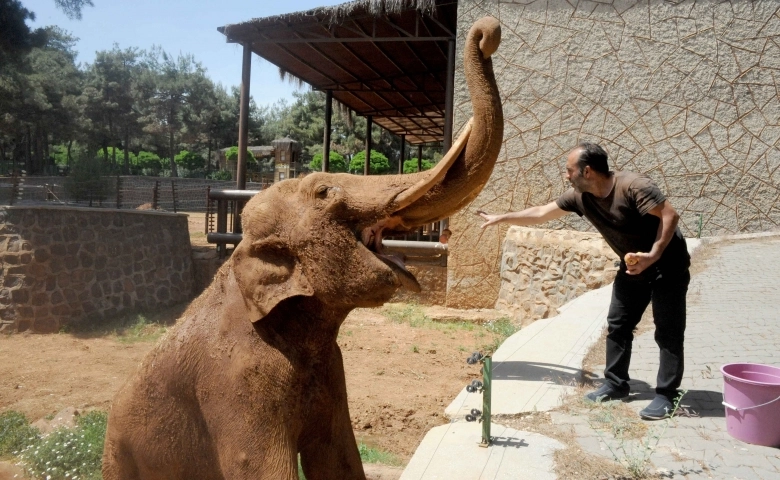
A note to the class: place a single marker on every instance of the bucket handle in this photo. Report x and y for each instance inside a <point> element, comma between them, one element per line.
<point>738,409</point>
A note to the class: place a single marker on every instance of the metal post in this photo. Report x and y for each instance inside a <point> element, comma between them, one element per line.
<point>701,221</point>
<point>367,165</point>
<point>449,95</point>
<point>487,369</point>
<point>401,160</point>
<point>243,118</point>
<point>419,158</point>
<point>326,133</point>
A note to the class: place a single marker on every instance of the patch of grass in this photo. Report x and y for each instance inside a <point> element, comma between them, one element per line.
<point>415,349</point>
<point>67,453</point>
<point>15,433</point>
<point>130,327</point>
<point>413,315</point>
<point>499,329</point>
<point>367,455</point>
<point>374,455</point>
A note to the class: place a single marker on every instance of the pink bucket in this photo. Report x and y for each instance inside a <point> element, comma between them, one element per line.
<point>751,395</point>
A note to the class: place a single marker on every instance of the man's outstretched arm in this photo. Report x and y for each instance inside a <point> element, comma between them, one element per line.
<point>529,216</point>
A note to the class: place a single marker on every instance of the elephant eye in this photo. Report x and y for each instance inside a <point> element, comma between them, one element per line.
<point>322,191</point>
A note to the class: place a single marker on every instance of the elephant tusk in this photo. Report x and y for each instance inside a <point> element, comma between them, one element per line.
<point>412,194</point>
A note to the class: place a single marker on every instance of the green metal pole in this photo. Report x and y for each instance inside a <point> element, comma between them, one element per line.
<point>487,369</point>
<point>701,220</point>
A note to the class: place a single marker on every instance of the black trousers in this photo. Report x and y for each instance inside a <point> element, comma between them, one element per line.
<point>631,295</point>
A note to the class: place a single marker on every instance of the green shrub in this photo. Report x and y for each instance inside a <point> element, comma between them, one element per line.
<point>15,433</point>
<point>410,166</point>
<point>69,453</point>
<point>190,160</point>
<point>337,162</point>
<point>379,163</point>
<point>232,154</point>
<point>220,175</point>
<point>88,180</point>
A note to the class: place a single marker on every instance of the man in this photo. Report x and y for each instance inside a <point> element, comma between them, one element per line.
<point>444,236</point>
<point>640,225</point>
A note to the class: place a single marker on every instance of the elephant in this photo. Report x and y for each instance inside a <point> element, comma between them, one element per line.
<point>251,375</point>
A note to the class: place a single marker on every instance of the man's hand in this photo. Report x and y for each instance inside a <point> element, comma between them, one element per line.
<point>638,262</point>
<point>489,219</point>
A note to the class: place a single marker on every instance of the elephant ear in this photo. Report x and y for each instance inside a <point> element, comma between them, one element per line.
<point>267,272</point>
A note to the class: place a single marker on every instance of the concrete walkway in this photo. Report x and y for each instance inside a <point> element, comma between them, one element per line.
<point>733,316</point>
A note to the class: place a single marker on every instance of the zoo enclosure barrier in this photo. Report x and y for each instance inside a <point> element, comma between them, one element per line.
<point>126,192</point>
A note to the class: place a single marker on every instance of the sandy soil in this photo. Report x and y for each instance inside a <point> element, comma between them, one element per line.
<point>399,377</point>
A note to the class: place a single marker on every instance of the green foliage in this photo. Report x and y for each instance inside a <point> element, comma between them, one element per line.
<point>221,175</point>
<point>190,160</point>
<point>379,163</point>
<point>232,155</point>
<point>147,163</point>
<point>88,180</point>
<point>15,433</point>
<point>374,455</point>
<point>410,166</point>
<point>337,162</point>
<point>69,453</point>
<point>367,455</point>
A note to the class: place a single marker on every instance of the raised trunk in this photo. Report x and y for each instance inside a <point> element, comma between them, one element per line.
<point>461,174</point>
<point>469,173</point>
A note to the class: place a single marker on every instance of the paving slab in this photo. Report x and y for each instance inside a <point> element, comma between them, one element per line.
<point>534,368</point>
<point>452,452</point>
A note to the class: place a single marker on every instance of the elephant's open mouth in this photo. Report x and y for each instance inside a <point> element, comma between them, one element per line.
<point>371,237</point>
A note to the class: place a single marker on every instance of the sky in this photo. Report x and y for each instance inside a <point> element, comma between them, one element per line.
<point>178,26</point>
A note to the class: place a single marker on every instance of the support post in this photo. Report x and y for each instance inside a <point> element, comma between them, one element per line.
<point>326,133</point>
<point>367,164</point>
<point>401,160</point>
<point>419,158</point>
<point>449,96</point>
<point>243,118</point>
<point>487,371</point>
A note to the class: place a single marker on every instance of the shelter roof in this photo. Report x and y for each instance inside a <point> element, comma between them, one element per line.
<point>383,58</point>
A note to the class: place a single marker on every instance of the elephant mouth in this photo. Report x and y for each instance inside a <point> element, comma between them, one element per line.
<point>371,238</point>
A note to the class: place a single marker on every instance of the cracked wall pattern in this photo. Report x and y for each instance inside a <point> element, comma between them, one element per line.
<point>686,92</point>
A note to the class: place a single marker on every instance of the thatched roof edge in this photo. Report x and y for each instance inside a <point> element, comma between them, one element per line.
<point>336,13</point>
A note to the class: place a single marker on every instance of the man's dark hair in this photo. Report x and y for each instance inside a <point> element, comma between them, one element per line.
<point>593,156</point>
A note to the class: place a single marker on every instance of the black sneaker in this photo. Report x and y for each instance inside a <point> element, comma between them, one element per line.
<point>661,407</point>
<point>605,393</point>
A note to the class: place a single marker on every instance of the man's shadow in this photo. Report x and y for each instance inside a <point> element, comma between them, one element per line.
<point>538,372</point>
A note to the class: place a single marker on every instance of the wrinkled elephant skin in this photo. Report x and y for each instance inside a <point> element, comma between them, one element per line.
<point>251,375</point>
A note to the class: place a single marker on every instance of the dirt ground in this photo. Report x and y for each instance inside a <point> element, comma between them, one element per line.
<point>401,368</point>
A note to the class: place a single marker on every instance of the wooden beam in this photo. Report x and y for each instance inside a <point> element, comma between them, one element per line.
<point>449,96</point>
<point>367,163</point>
<point>243,117</point>
<point>401,159</point>
<point>326,133</point>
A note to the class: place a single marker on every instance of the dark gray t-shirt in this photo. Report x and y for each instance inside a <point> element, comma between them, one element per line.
<point>623,220</point>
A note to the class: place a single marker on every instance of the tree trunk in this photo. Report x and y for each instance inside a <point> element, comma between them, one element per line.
<point>127,150</point>
<point>174,172</point>
<point>28,152</point>
<point>208,158</point>
<point>67,160</point>
<point>105,152</point>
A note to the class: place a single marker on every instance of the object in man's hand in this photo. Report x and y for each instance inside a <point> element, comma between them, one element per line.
<point>631,259</point>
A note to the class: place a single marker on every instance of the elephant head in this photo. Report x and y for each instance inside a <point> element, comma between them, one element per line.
<point>322,235</point>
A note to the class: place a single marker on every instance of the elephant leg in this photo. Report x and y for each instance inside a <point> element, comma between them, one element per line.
<point>333,456</point>
<point>118,464</point>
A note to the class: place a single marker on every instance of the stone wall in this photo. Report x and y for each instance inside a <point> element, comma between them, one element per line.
<point>433,282</point>
<point>683,91</point>
<point>63,265</point>
<point>542,270</point>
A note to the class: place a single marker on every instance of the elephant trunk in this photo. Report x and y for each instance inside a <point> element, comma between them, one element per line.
<point>463,172</point>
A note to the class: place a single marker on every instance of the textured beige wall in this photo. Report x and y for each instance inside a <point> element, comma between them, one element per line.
<point>542,270</point>
<point>686,92</point>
